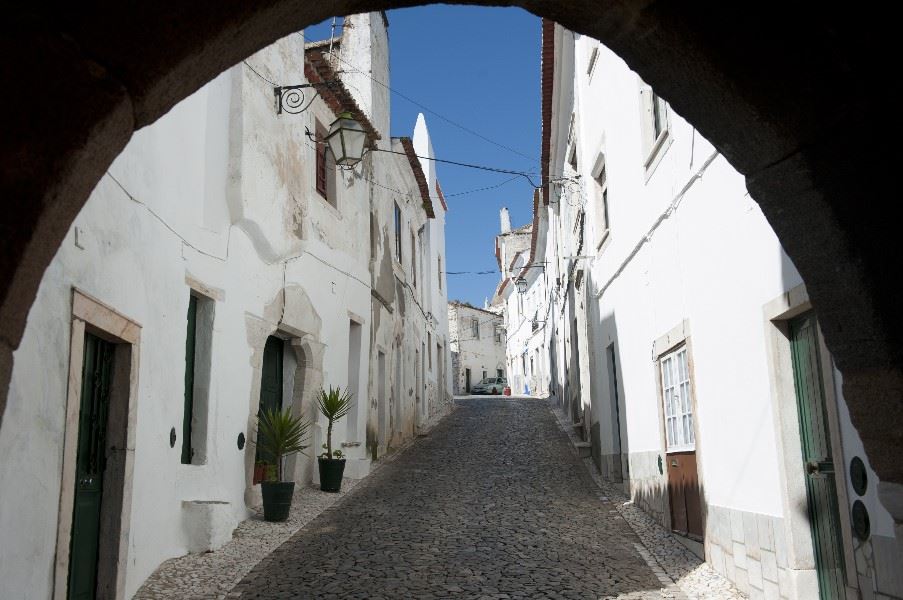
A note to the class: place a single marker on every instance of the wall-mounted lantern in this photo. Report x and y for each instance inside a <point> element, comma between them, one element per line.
<point>521,285</point>
<point>346,139</point>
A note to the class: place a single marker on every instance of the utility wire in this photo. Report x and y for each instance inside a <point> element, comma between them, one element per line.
<point>432,112</point>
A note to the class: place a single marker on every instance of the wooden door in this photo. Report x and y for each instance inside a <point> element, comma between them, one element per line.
<point>270,388</point>
<point>91,454</point>
<point>188,409</point>
<point>821,486</point>
<point>680,439</point>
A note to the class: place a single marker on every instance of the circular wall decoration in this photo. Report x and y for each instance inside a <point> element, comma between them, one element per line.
<point>172,437</point>
<point>862,527</point>
<point>241,441</point>
<point>858,476</point>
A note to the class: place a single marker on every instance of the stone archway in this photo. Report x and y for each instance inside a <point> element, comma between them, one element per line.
<point>799,101</point>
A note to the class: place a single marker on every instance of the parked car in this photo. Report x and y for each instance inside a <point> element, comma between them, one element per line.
<point>490,385</point>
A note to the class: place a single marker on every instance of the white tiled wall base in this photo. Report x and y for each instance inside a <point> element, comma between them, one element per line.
<point>750,549</point>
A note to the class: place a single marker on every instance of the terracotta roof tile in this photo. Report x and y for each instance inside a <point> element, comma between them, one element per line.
<point>548,78</point>
<point>408,146</point>
<point>441,196</point>
<point>318,70</point>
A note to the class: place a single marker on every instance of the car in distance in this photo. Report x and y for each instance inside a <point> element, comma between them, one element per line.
<point>490,385</point>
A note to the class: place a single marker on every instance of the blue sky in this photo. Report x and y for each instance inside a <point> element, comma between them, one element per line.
<point>479,68</point>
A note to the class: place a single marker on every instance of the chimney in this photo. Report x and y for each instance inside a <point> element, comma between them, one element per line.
<point>506,220</point>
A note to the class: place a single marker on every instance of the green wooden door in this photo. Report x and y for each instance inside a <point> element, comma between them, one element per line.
<point>188,412</point>
<point>89,469</point>
<point>271,383</point>
<point>821,490</point>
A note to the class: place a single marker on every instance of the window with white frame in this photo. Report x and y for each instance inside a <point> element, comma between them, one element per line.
<point>678,401</point>
<point>475,328</point>
<point>600,177</point>
<point>654,123</point>
<point>498,336</point>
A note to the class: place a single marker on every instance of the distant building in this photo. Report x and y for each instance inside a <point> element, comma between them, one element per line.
<point>477,340</point>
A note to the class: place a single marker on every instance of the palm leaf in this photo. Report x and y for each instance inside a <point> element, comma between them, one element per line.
<point>280,434</point>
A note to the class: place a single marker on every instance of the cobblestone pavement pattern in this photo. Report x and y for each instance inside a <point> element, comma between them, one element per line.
<point>492,504</point>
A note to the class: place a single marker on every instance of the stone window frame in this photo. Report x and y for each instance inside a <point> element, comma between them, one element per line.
<point>92,315</point>
<point>654,146</point>
<point>208,297</point>
<point>777,314</point>
<point>601,207</point>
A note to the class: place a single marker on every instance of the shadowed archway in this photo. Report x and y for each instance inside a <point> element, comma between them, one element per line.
<point>802,102</point>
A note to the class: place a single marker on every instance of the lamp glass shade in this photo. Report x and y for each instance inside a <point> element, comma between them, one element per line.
<point>521,284</point>
<point>346,139</point>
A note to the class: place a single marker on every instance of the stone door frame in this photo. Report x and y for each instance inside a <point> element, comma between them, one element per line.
<point>92,315</point>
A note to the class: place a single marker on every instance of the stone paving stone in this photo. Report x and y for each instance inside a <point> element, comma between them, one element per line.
<point>213,574</point>
<point>674,562</point>
<point>492,504</point>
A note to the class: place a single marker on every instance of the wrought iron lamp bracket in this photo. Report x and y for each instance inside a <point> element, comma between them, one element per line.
<point>291,99</point>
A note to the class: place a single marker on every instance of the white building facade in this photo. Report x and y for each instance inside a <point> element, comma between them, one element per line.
<point>222,264</point>
<point>685,348</point>
<point>477,341</point>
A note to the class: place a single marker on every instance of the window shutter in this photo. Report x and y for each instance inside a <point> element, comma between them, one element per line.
<point>321,170</point>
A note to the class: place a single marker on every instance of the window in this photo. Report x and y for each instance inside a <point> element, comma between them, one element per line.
<point>678,402</point>
<point>439,273</point>
<point>600,177</point>
<point>325,168</point>
<point>429,350</point>
<point>413,260</point>
<point>498,336</point>
<point>499,373</point>
<point>475,328</point>
<point>658,116</point>
<point>484,376</point>
<point>397,233</point>
<point>198,343</point>
<point>591,63</point>
<point>654,125</point>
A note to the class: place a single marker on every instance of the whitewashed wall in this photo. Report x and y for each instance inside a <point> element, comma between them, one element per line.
<point>686,247</point>
<point>219,191</point>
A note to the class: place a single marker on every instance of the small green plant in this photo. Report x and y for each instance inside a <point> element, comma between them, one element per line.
<point>281,434</point>
<point>334,405</point>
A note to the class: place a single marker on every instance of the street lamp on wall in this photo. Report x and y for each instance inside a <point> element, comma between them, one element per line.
<point>521,285</point>
<point>346,140</point>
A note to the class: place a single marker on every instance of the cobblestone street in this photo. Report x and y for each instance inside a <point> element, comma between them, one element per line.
<point>492,504</point>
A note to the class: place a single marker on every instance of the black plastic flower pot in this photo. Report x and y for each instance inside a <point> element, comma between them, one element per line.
<point>331,470</point>
<point>277,499</point>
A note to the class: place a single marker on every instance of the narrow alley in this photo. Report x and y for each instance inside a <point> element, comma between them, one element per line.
<point>492,504</point>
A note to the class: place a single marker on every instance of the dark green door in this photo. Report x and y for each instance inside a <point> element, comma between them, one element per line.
<point>188,410</point>
<point>271,383</point>
<point>89,469</point>
<point>821,490</point>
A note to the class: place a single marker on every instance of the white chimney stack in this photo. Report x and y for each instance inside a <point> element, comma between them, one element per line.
<point>505,219</point>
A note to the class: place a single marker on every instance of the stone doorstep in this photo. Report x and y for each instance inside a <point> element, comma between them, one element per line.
<point>584,449</point>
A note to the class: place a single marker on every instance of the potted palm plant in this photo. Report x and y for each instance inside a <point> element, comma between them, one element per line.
<point>279,434</point>
<point>334,405</point>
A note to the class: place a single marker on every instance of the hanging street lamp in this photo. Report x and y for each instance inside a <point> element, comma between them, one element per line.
<point>521,284</point>
<point>346,140</point>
